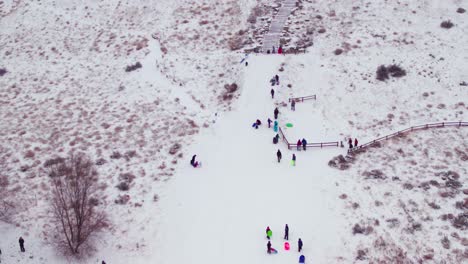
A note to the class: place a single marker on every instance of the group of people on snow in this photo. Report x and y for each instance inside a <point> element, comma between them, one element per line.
<point>350,142</point>
<point>269,235</point>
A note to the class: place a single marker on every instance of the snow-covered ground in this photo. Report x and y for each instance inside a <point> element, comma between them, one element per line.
<point>66,88</point>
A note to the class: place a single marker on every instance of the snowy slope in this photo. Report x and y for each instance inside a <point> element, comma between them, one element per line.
<point>66,88</point>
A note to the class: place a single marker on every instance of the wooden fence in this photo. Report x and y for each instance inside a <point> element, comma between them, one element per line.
<point>302,99</point>
<point>309,145</point>
<point>410,129</point>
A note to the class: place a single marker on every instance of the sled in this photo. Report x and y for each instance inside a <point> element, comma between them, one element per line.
<point>273,251</point>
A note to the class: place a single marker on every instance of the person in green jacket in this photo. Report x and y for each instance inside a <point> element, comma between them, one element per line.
<point>269,233</point>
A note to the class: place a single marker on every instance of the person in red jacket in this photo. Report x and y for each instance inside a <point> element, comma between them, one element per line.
<point>355,142</point>
<point>299,144</point>
<point>280,50</point>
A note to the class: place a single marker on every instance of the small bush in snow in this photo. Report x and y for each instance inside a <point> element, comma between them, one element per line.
<point>382,73</point>
<point>100,162</point>
<point>461,10</point>
<point>461,221</point>
<point>2,71</point>
<point>445,242</point>
<point>133,67</point>
<point>446,24</point>
<point>338,51</point>
<point>123,186</point>
<point>396,71</point>
<point>116,155</point>
<point>51,162</point>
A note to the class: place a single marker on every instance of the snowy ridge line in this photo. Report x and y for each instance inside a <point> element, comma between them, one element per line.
<point>410,129</point>
<point>310,145</point>
<point>272,37</point>
<point>301,99</point>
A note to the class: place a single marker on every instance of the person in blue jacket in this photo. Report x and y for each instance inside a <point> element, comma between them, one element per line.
<point>304,144</point>
<point>275,126</point>
<point>302,259</point>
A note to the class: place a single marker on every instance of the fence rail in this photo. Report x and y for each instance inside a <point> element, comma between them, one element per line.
<point>303,98</point>
<point>410,129</point>
<point>309,145</point>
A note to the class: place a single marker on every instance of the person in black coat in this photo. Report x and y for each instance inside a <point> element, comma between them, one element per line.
<point>269,247</point>
<point>277,79</point>
<point>272,93</point>
<point>278,155</point>
<point>286,232</point>
<point>276,112</point>
<point>304,144</point>
<point>21,243</point>
<point>299,245</point>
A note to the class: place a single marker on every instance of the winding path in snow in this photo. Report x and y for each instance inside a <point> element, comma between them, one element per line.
<point>272,37</point>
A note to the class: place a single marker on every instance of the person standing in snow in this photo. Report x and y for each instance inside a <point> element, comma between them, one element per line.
<point>280,50</point>
<point>293,105</point>
<point>277,79</point>
<point>350,143</point>
<point>269,122</point>
<point>286,232</point>
<point>269,247</point>
<point>272,93</point>
<point>21,243</point>
<point>275,139</point>
<point>278,155</point>
<point>355,142</point>
<point>273,50</point>
<point>269,233</point>
<point>299,245</point>
<point>275,126</point>
<point>276,112</point>
<point>293,161</point>
<point>304,144</point>
<point>298,145</point>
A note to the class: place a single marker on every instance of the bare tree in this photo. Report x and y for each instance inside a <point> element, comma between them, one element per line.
<point>74,194</point>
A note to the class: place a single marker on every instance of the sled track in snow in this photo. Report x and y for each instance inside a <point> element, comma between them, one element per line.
<point>272,37</point>
<point>408,130</point>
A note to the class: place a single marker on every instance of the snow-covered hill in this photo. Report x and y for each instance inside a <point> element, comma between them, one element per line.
<point>66,88</point>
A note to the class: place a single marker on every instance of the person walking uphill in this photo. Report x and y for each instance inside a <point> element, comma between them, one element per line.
<point>299,245</point>
<point>278,155</point>
<point>276,112</point>
<point>21,244</point>
<point>355,142</point>
<point>272,93</point>
<point>286,232</point>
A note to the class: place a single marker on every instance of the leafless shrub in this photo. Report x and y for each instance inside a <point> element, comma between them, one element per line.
<point>382,73</point>
<point>73,187</point>
<point>433,205</point>
<point>115,155</point>
<point>53,161</point>
<point>3,71</point>
<point>446,24</point>
<point>122,199</point>
<point>130,154</point>
<point>133,67</point>
<point>236,42</point>
<point>461,10</point>
<point>123,186</point>
<point>175,148</point>
<point>338,51</point>
<point>461,221</point>
<point>100,162</point>
<point>339,162</point>
<point>445,242</point>
<point>396,71</point>
<point>462,205</point>
<point>362,254</point>
<point>374,174</point>
<point>393,222</point>
<point>321,31</point>
<point>357,229</point>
